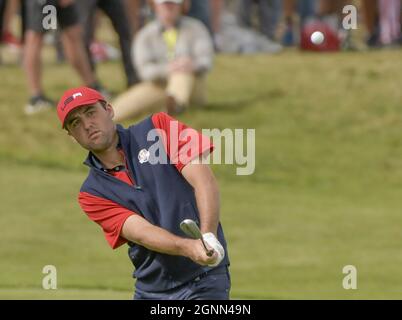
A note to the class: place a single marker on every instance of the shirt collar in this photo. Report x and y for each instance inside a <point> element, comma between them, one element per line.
<point>97,164</point>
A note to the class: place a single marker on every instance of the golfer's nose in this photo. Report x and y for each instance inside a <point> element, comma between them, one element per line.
<point>86,123</point>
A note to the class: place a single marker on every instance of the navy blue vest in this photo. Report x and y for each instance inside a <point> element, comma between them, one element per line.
<point>163,197</point>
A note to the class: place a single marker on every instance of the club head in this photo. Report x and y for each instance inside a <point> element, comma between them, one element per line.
<point>191,229</point>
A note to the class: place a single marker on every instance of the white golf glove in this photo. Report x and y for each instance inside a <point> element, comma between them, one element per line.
<point>214,243</point>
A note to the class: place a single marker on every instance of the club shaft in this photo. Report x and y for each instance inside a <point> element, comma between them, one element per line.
<point>208,252</point>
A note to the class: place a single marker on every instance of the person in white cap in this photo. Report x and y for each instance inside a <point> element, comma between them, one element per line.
<point>172,54</point>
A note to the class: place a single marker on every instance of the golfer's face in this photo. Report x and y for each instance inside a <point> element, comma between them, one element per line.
<point>92,126</point>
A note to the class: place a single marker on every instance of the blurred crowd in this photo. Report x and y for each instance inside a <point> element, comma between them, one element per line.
<point>167,46</point>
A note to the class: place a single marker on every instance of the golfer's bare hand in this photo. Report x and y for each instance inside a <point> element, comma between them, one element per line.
<point>197,253</point>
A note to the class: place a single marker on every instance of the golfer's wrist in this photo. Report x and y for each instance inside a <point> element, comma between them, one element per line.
<point>184,247</point>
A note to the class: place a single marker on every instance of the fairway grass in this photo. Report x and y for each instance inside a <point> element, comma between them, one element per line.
<point>325,192</point>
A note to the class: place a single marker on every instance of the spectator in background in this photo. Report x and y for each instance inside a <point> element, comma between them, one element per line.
<point>137,12</point>
<point>8,9</point>
<point>209,12</point>
<point>238,35</point>
<point>390,21</point>
<point>269,12</point>
<point>172,55</point>
<point>116,11</point>
<point>2,7</point>
<point>331,10</point>
<point>370,9</point>
<point>200,10</point>
<point>68,21</point>
<point>2,12</point>
<point>305,8</point>
<point>216,11</point>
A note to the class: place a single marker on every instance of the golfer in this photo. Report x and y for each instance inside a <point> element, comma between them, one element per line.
<point>141,202</point>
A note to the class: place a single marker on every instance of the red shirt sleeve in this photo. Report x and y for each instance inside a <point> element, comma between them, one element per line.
<point>182,143</point>
<point>109,215</point>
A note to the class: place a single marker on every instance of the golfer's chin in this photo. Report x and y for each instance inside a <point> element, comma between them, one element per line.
<point>97,145</point>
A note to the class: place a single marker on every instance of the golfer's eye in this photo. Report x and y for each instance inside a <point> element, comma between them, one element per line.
<point>90,113</point>
<point>74,123</point>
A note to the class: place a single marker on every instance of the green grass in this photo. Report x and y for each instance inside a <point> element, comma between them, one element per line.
<point>325,193</point>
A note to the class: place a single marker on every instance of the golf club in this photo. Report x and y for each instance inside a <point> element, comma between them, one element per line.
<point>190,228</point>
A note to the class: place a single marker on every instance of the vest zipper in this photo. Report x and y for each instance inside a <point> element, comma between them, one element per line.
<point>130,173</point>
<point>131,176</point>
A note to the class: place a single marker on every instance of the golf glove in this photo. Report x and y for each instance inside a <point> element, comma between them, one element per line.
<point>214,243</point>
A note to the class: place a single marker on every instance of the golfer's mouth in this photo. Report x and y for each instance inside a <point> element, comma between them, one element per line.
<point>93,134</point>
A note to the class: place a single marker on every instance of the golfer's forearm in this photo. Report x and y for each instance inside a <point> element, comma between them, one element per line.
<point>140,231</point>
<point>202,179</point>
<point>208,203</point>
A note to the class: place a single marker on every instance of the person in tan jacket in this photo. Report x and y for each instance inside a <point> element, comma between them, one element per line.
<point>172,54</point>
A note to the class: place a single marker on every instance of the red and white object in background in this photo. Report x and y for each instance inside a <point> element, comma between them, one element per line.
<point>9,39</point>
<point>331,41</point>
<point>101,52</point>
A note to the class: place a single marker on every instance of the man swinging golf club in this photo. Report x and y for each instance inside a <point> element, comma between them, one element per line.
<point>146,204</point>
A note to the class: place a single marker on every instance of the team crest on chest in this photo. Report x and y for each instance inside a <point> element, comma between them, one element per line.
<point>143,156</point>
